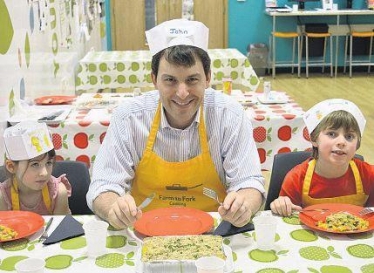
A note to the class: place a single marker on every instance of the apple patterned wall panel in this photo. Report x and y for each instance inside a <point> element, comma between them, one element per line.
<point>41,43</point>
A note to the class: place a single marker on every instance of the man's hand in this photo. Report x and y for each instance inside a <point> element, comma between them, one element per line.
<point>283,206</point>
<point>239,206</point>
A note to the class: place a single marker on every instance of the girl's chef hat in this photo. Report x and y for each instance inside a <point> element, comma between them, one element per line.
<point>26,140</point>
<point>177,32</point>
<point>315,114</point>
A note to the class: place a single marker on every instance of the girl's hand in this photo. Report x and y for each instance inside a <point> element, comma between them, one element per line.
<point>283,206</point>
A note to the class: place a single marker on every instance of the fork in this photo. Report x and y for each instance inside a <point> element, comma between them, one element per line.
<point>212,194</point>
<point>45,233</point>
<point>366,211</point>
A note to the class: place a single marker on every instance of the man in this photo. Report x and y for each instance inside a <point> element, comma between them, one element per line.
<point>178,139</point>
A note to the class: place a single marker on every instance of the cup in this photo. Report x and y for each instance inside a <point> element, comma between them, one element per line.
<point>295,7</point>
<point>95,232</point>
<point>227,86</point>
<point>30,265</point>
<point>210,264</point>
<point>265,228</point>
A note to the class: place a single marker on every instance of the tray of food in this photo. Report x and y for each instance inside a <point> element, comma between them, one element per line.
<point>176,253</point>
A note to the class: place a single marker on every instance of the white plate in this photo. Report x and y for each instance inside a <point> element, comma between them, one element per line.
<point>175,266</point>
<point>274,97</point>
<point>40,112</point>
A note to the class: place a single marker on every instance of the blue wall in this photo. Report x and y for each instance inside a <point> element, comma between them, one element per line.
<point>249,24</point>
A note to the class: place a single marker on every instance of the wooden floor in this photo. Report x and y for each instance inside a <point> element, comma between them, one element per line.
<point>307,92</point>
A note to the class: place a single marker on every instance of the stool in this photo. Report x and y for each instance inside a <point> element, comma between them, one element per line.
<point>349,37</point>
<point>286,35</point>
<point>322,62</point>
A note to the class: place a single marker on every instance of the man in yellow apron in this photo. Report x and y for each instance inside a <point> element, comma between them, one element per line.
<point>177,140</point>
<point>333,175</point>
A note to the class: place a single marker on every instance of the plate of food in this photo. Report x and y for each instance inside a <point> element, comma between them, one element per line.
<point>174,221</point>
<point>54,100</point>
<point>336,218</point>
<point>179,253</point>
<point>19,224</point>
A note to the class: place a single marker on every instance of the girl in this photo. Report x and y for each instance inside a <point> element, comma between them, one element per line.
<point>332,175</point>
<point>29,163</point>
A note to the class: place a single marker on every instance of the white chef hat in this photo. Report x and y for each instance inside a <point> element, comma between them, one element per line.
<point>315,114</point>
<point>177,32</point>
<point>26,140</point>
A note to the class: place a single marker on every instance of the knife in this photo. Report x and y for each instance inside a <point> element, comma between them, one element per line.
<point>146,201</point>
<point>52,116</point>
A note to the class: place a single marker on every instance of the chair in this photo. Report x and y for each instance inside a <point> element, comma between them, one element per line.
<point>286,35</point>
<point>318,61</point>
<point>282,164</point>
<point>79,177</point>
<point>349,41</point>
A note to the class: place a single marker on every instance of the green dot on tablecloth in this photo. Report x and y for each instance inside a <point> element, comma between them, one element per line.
<point>111,260</point>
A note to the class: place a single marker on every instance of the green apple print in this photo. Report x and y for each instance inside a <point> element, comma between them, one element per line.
<point>218,76</point>
<point>103,67</point>
<point>91,67</point>
<point>116,241</point>
<point>234,63</point>
<point>148,78</point>
<point>148,66</point>
<point>57,67</point>
<point>134,66</point>
<point>133,79</point>
<point>111,260</point>
<point>74,243</point>
<point>120,67</point>
<point>7,31</point>
<point>8,263</point>
<point>11,106</point>
<point>368,268</point>
<point>80,68</point>
<point>106,79</point>
<point>314,253</point>
<point>304,235</point>
<point>15,245</point>
<point>121,79</point>
<point>335,269</point>
<point>234,75</point>
<point>92,80</point>
<point>292,220</point>
<point>263,256</point>
<point>247,63</point>
<point>58,261</point>
<point>27,49</point>
<point>217,63</point>
<point>361,251</point>
<point>253,80</point>
<point>270,270</point>
<point>78,81</point>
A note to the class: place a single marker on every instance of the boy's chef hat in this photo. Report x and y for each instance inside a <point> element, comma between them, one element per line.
<point>315,114</point>
<point>177,32</point>
<point>26,140</point>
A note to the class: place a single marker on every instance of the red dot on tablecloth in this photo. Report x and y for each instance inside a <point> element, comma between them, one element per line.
<point>81,140</point>
<point>84,159</point>
<point>280,111</point>
<point>284,150</point>
<point>259,134</point>
<point>260,112</point>
<point>59,158</point>
<point>105,122</point>
<point>275,106</point>
<point>306,134</point>
<point>54,125</point>
<point>262,154</point>
<point>102,136</point>
<point>284,133</point>
<point>289,116</point>
<point>84,123</point>
<point>259,117</point>
<point>57,141</point>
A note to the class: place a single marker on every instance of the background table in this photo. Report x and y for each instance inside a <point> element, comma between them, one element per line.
<point>128,69</point>
<point>297,249</point>
<point>277,128</point>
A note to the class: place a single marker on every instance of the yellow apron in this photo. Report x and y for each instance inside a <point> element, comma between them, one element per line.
<point>358,199</point>
<point>15,196</point>
<point>178,184</point>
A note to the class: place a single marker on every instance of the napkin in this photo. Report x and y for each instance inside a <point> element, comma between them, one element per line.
<point>67,229</point>
<point>227,229</point>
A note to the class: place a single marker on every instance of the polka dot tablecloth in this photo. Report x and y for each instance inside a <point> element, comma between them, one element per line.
<point>277,128</point>
<point>126,69</point>
<point>298,249</point>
